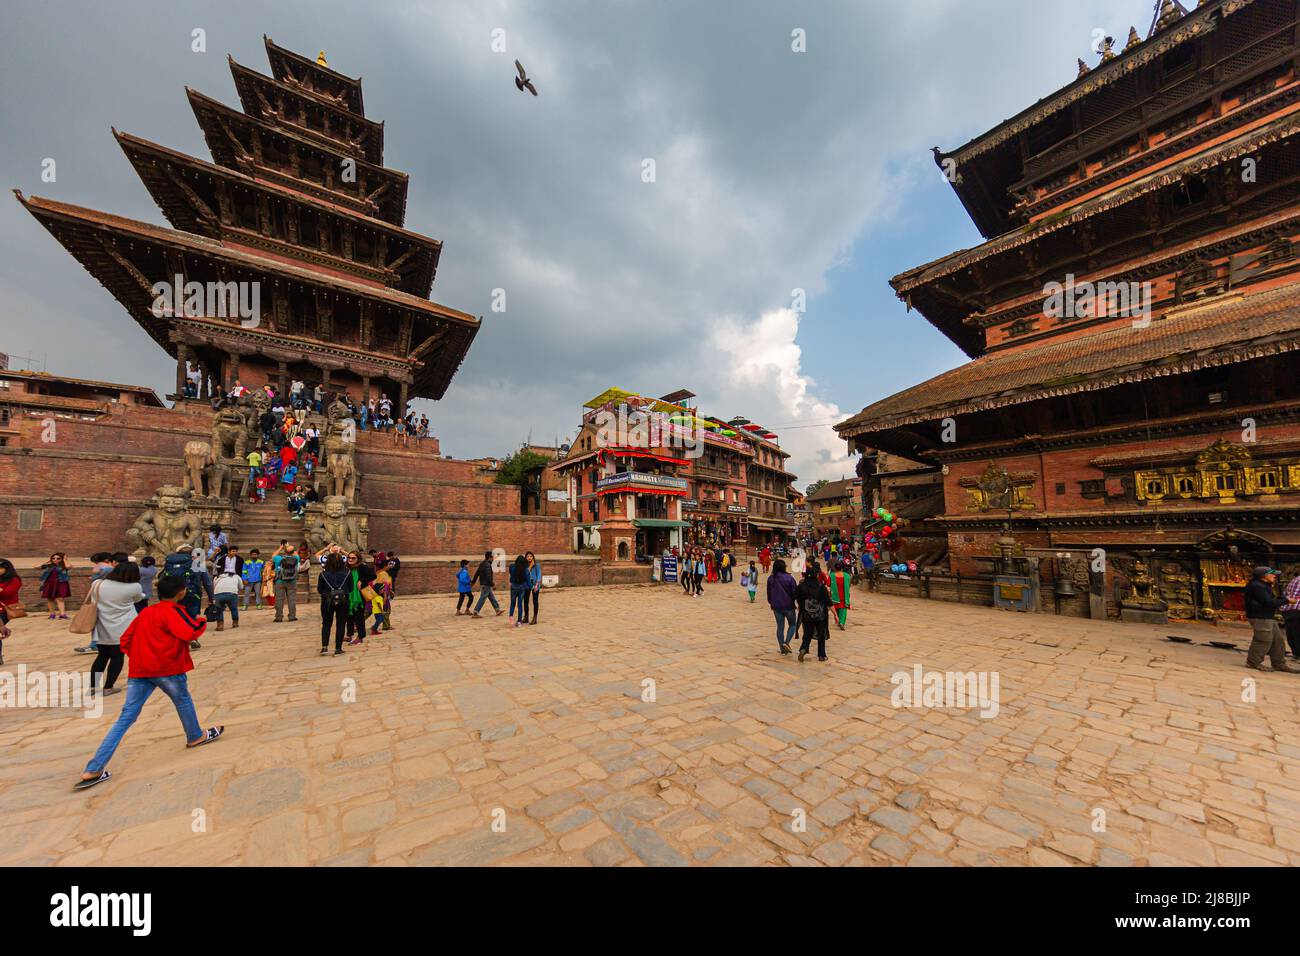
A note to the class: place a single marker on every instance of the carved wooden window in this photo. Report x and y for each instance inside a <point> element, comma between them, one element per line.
<point>1093,488</point>
<point>1268,480</point>
<point>1186,485</point>
<point>1155,487</point>
<point>1020,327</point>
<point>1226,482</point>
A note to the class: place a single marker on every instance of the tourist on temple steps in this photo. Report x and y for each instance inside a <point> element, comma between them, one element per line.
<point>335,587</point>
<point>464,589</point>
<point>267,424</point>
<point>157,644</point>
<point>56,585</point>
<point>1261,610</point>
<point>363,576</point>
<point>284,569</point>
<point>841,588</point>
<point>148,571</point>
<point>518,590</point>
<point>399,432</point>
<point>254,465</point>
<point>781,598</point>
<point>814,602</point>
<point>318,398</point>
<point>1290,614</point>
<point>295,393</point>
<point>534,584</point>
<point>483,578</point>
<point>115,600</point>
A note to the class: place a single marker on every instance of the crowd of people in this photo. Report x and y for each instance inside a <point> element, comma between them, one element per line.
<point>152,615</point>
<point>373,414</point>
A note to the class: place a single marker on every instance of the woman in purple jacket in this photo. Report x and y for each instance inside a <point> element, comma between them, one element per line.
<point>781,589</point>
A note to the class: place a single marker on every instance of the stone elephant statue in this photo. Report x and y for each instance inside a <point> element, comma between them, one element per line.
<point>198,456</point>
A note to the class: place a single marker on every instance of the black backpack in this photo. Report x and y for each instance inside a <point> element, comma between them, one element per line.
<point>336,597</point>
<point>179,566</point>
<point>813,609</point>
<point>289,567</point>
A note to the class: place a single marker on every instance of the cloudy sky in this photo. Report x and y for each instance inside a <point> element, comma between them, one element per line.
<point>774,171</point>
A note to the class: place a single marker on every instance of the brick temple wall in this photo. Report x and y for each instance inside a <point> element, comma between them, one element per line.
<point>96,477</point>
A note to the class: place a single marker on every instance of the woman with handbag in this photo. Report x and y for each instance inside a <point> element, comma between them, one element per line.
<point>56,586</point>
<point>114,599</point>
<point>10,606</point>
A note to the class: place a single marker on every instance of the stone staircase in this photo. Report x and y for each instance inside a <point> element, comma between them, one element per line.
<point>262,526</point>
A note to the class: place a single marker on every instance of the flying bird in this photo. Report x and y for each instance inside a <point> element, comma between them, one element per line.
<point>522,82</point>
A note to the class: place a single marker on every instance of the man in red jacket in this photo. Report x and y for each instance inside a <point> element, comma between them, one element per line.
<point>158,645</point>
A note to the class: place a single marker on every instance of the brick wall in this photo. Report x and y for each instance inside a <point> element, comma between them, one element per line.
<point>98,475</point>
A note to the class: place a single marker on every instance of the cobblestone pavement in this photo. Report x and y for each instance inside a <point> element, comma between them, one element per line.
<point>1111,745</point>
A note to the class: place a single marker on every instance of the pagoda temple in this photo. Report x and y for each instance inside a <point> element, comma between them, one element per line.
<point>1132,402</point>
<point>288,262</point>
<point>297,205</point>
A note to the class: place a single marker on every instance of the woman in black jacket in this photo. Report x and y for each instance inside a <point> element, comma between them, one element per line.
<point>814,601</point>
<point>334,586</point>
<point>365,576</point>
<point>519,590</point>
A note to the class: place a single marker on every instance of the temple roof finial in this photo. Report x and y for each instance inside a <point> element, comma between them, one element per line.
<point>1084,70</point>
<point>1170,10</point>
<point>1133,39</point>
<point>320,59</point>
<point>1108,50</point>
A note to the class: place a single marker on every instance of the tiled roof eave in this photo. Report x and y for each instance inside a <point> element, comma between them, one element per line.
<point>1226,153</point>
<point>1145,372</point>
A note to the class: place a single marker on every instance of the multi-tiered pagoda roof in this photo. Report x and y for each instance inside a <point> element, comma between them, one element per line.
<point>298,200</point>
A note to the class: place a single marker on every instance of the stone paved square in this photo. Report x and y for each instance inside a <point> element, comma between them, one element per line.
<point>458,725</point>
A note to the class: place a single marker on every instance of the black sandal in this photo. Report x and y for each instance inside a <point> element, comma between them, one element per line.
<point>209,735</point>
<point>87,784</point>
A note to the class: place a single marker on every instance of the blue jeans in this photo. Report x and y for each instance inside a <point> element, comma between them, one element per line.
<point>223,601</point>
<point>138,690</point>
<point>486,595</point>
<point>789,617</point>
<point>519,600</point>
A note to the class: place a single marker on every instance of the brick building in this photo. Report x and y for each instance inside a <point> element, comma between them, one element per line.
<point>1132,321</point>
<point>837,509</point>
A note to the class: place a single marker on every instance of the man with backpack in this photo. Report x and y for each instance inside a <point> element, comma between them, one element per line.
<point>180,566</point>
<point>286,583</point>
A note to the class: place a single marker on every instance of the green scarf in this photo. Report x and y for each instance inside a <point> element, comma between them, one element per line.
<point>354,596</point>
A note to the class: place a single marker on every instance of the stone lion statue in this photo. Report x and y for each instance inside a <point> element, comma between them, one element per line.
<point>165,525</point>
<point>229,433</point>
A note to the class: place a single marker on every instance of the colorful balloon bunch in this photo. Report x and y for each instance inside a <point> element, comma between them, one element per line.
<point>879,535</point>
